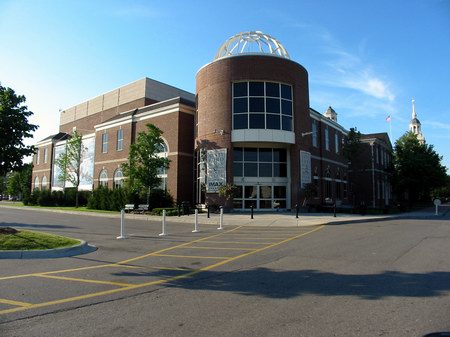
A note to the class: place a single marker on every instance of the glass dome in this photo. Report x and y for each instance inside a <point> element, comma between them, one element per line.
<point>251,43</point>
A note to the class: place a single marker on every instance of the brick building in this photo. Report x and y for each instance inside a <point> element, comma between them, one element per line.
<point>250,125</point>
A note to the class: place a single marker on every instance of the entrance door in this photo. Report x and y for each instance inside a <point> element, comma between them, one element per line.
<point>261,197</point>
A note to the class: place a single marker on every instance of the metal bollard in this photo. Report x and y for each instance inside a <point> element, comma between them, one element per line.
<point>207,207</point>
<point>334,209</point>
<point>122,225</point>
<point>179,210</point>
<point>296,211</point>
<point>163,224</point>
<point>251,212</point>
<point>196,230</point>
<point>221,218</point>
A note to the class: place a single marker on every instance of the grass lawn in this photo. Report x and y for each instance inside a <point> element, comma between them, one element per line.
<point>28,240</point>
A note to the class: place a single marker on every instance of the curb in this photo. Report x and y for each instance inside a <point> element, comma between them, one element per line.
<point>82,248</point>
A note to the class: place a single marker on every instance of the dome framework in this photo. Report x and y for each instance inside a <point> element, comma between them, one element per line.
<point>254,42</point>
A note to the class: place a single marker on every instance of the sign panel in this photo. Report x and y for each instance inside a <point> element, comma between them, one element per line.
<point>305,168</point>
<point>216,161</point>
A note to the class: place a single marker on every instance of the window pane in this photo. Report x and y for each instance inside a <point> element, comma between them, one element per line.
<point>250,203</point>
<point>237,204</point>
<point>273,122</point>
<point>265,204</point>
<point>237,193</point>
<point>250,170</point>
<point>240,89</point>
<point>237,169</point>
<point>272,105</point>
<point>265,192</point>
<point>265,170</point>
<point>279,192</point>
<point>279,170</point>
<point>286,107</point>
<point>240,121</point>
<point>257,121</point>
<point>265,155</point>
<point>279,155</point>
<point>286,91</point>
<point>256,88</point>
<point>287,123</point>
<point>251,154</point>
<point>250,192</point>
<point>272,89</point>
<point>240,105</point>
<point>237,154</point>
<point>257,104</point>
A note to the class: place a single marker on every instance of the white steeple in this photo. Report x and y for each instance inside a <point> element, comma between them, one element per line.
<point>415,126</point>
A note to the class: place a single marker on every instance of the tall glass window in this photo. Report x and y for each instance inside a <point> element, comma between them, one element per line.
<point>105,143</point>
<point>45,155</point>
<point>327,139</point>
<point>262,105</point>
<point>103,178</point>
<point>259,162</point>
<point>336,142</point>
<point>119,140</point>
<point>314,130</point>
<point>118,178</point>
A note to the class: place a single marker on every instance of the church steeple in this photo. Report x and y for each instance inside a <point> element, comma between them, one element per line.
<point>415,126</point>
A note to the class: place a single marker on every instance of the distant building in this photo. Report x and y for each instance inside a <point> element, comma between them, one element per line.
<point>249,125</point>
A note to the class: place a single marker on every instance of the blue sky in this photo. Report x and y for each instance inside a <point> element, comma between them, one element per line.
<point>367,59</point>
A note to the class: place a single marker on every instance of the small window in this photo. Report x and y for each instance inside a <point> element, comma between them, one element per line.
<point>38,155</point>
<point>45,155</point>
<point>272,89</point>
<point>336,142</point>
<point>44,183</point>
<point>105,143</point>
<point>120,140</point>
<point>314,133</point>
<point>240,89</point>
<point>327,139</point>
<point>256,88</point>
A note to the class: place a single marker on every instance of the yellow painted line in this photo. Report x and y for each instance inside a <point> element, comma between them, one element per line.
<point>193,256</point>
<point>15,303</point>
<point>123,263</point>
<point>241,242</point>
<point>141,285</point>
<point>218,248</point>
<point>169,268</point>
<point>83,280</point>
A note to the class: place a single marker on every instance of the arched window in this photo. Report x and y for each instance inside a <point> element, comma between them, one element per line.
<point>118,178</point>
<point>44,183</point>
<point>103,178</point>
<point>163,151</point>
<point>36,183</point>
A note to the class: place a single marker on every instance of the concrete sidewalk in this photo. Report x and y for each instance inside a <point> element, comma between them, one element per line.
<point>265,219</point>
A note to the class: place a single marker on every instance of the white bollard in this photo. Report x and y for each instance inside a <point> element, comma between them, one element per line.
<point>221,218</point>
<point>122,225</point>
<point>196,230</point>
<point>437,210</point>
<point>163,224</point>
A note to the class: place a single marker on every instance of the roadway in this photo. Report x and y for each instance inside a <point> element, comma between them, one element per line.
<point>384,278</point>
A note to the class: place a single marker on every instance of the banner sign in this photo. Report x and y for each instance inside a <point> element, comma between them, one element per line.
<point>305,168</point>
<point>216,162</point>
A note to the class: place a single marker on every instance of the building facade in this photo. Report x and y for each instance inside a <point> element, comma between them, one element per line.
<point>250,126</point>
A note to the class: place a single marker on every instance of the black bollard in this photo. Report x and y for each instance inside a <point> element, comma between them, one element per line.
<point>179,210</point>
<point>207,208</point>
<point>251,212</point>
<point>296,211</point>
<point>334,209</point>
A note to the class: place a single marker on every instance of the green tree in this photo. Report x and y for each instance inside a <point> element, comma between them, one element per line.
<point>19,182</point>
<point>144,164</point>
<point>14,127</point>
<point>352,147</point>
<point>418,169</point>
<point>69,162</point>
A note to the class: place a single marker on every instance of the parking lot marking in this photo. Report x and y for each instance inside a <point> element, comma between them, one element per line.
<point>217,248</point>
<point>241,242</point>
<point>194,256</point>
<point>15,303</point>
<point>160,281</point>
<point>118,284</point>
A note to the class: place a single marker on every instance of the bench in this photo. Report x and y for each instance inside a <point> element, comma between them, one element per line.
<point>142,208</point>
<point>129,208</point>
